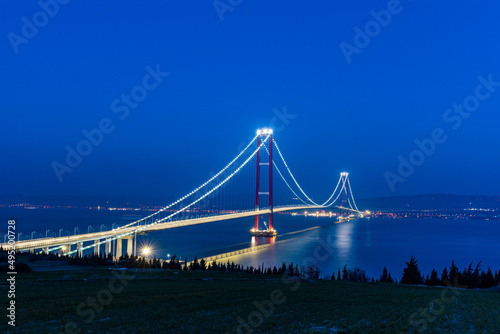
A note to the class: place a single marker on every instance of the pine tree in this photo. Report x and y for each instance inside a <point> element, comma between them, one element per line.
<point>339,277</point>
<point>203,265</point>
<point>386,276</point>
<point>475,281</point>
<point>333,276</point>
<point>488,280</point>
<point>411,274</point>
<point>345,273</point>
<point>453,275</point>
<point>444,277</point>
<point>434,280</point>
<point>296,271</point>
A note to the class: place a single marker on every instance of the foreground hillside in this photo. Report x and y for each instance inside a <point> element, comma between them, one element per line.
<point>146,301</point>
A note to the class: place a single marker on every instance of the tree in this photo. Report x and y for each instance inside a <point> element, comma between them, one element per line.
<point>488,279</point>
<point>345,273</point>
<point>310,271</point>
<point>444,277</point>
<point>453,275</point>
<point>338,276</point>
<point>333,276</point>
<point>475,281</point>
<point>203,265</point>
<point>411,274</point>
<point>434,280</point>
<point>386,276</point>
<point>356,275</point>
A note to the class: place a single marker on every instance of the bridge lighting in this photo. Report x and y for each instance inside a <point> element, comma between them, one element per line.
<point>264,131</point>
<point>146,251</point>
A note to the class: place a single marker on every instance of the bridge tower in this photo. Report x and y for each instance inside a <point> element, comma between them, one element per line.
<point>344,192</point>
<point>263,133</point>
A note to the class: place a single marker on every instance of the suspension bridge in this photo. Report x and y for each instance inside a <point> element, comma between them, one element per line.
<point>224,196</point>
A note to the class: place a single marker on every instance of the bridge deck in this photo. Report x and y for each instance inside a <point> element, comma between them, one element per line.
<point>58,241</point>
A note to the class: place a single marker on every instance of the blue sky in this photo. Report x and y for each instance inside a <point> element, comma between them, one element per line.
<point>226,78</point>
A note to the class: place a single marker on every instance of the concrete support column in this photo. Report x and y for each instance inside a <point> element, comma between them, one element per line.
<point>45,250</point>
<point>108,247</point>
<point>79,246</point>
<point>130,243</point>
<point>119,251</point>
<point>97,247</point>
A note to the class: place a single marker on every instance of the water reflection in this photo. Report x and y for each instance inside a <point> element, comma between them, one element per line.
<point>343,239</point>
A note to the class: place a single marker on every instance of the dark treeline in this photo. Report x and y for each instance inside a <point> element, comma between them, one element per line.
<point>471,277</point>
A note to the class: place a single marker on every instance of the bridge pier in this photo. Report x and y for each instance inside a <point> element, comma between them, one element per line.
<point>96,247</point>
<point>79,246</point>
<point>107,248</point>
<point>130,241</point>
<point>45,250</point>
<point>119,251</point>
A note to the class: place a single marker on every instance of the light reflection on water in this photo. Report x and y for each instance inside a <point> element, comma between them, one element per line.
<point>343,239</point>
<point>373,244</point>
<point>368,244</point>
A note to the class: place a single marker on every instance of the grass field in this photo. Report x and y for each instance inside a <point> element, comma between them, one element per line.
<point>96,301</point>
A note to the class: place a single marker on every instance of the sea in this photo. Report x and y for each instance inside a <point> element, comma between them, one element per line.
<point>368,243</point>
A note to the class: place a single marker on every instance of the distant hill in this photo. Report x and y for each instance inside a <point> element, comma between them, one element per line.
<point>76,201</point>
<point>429,201</point>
